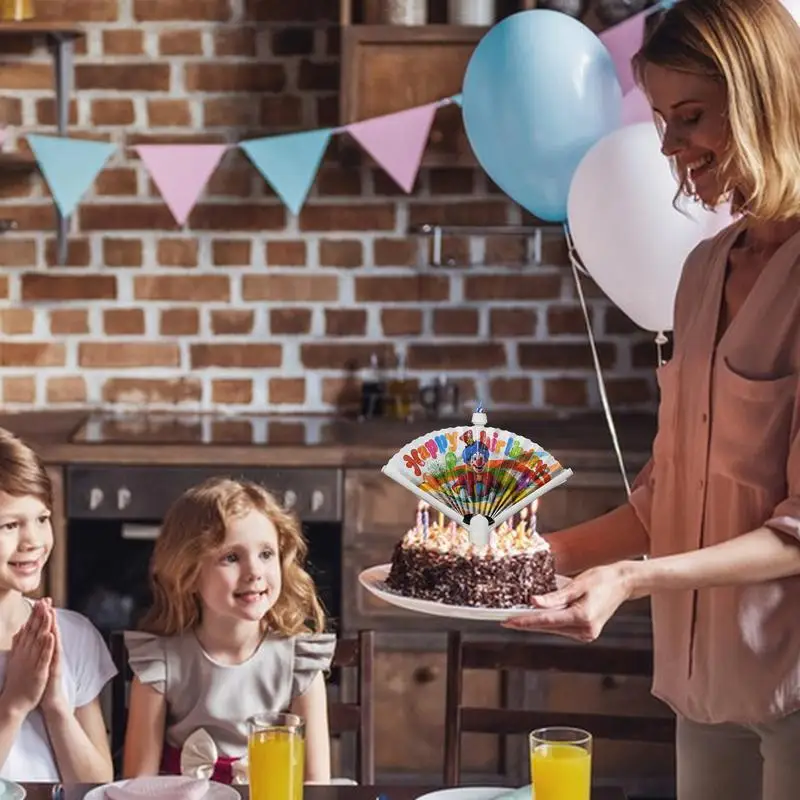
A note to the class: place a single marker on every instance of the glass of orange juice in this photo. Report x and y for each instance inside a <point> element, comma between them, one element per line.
<point>561,764</point>
<point>276,756</point>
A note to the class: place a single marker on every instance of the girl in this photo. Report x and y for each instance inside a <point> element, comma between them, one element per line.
<point>53,663</point>
<point>235,630</point>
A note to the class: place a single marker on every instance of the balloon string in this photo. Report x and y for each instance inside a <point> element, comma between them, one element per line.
<point>661,340</point>
<point>573,251</point>
<point>573,258</point>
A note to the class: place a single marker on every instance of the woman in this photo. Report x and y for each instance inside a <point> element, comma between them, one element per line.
<point>717,508</point>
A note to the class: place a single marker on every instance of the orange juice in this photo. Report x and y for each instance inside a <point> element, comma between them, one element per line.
<point>561,772</point>
<point>275,764</point>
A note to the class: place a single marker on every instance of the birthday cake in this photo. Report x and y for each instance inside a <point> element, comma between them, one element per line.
<point>436,561</point>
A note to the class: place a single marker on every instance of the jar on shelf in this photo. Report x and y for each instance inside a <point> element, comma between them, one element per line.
<point>470,12</point>
<point>396,12</point>
<point>16,10</point>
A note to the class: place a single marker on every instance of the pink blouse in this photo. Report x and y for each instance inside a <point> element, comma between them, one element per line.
<point>726,460</point>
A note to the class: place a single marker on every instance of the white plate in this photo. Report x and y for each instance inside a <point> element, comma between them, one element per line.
<point>10,790</point>
<point>477,793</point>
<point>216,791</point>
<point>374,581</point>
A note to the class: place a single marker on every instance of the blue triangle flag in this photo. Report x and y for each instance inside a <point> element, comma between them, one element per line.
<point>69,166</point>
<point>289,163</point>
<point>457,99</point>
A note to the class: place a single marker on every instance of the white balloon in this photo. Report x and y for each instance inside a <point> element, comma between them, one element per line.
<point>630,237</point>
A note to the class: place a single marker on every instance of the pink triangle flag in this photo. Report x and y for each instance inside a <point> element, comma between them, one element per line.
<point>623,41</point>
<point>181,171</point>
<point>636,108</point>
<point>397,141</point>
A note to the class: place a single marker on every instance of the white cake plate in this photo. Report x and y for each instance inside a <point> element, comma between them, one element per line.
<point>374,581</point>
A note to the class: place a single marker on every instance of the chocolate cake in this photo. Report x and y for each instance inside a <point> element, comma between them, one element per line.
<point>436,561</point>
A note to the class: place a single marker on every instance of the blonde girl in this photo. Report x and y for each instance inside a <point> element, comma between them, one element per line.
<point>235,629</point>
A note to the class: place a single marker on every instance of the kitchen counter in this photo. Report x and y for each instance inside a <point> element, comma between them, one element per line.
<point>166,438</point>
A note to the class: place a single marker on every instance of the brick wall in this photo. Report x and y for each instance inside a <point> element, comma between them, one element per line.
<point>249,307</point>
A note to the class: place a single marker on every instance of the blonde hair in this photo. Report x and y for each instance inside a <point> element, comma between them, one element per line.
<point>22,473</point>
<point>752,47</point>
<point>195,526</point>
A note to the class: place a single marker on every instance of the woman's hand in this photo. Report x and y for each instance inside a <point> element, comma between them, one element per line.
<point>54,700</point>
<point>580,609</point>
<point>28,663</point>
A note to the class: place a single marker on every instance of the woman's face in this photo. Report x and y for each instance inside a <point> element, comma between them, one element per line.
<point>693,111</point>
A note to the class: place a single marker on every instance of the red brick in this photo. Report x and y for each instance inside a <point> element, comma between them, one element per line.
<point>396,252</point>
<point>242,355</point>
<point>512,287</point>
<point>168,113</point>
<point>347,218</point>
<point>224,112</point>
<point>290,321</point>
<point>344,253</point>
<point>123,321</point>
<point>401,321</point>
<point>122,252</point>
<point>328,111</point>
<point>293,41</point>
<point>644,354</point>
<point>629,391</point>
<point>185,137</point>
<point>238,42</point>
<point>554,250</point>
<point>455,322</point>
<point>34,218</point>
<point>3,286</point>
<point>506,250</point>
<point>512,322</point>
<point>21,76</point>
<point>410,289</point>
<point>32,354</point>
<point>116,77</point>
<point>565,320</point>
<point>281,111</point>
<point>77,10</point>
<point>105,355</point>
<point>137,391</point>
<point>231,252</point>
<point>515,391</point>
<point>125,217</point>
<point>177,252</point>
<point>287,391</point>
<point>294,12</point>
<point>11,110</point>
<point>326,355</point>
<point>117,181</point>
<point>238,217</point>
<point>46,111</point>
<point>551,355</point>
<point>180,43</point>
<point>113,112</point>
<point>41,286</point>
<point>454,251</point>
<point>230,182</point>
<point>79,253</point>
<point>384,185</point>
<point>482,356</point>
<point>232,392</point>
<point>16,321</point>
<point>65,321</point>
<point>19,389</point>
<point>282,253</point>
<point>66,389</point>
<point>565,392</point>
<point>343,393</point>
<point>618,322</point>
<point>336,181</point>
<point>179,321</point>
<point>123,42</point>
<point>318,76</point>
<point>245,77</point>
<point>194,288</point>
<point>180,10</point>
<point>228,322</point>
<point>345,322</point>
<point>17,252</point>
<point>452,180</point>
<point>290,288</point>
<point>476,212</point>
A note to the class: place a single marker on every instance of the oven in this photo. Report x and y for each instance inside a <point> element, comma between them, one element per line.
<point>114,513</point>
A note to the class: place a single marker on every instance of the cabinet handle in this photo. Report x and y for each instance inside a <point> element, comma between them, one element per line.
<point>424,675</point>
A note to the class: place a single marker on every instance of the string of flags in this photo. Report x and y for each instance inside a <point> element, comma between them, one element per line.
<point>290,162</point>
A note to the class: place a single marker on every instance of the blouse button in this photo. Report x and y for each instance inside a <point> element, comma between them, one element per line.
<point>705,418</point>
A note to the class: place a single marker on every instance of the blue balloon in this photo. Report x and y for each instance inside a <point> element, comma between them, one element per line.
<point>540,89</point>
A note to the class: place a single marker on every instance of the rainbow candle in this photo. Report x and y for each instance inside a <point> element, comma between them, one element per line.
<point>426,520</point>
<point>441,520</point>
<point>419,514</point>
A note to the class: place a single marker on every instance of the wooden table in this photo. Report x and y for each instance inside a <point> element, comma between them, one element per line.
<point>44,791</point>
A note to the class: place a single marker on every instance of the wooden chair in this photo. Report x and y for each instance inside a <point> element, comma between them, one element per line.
<point>602,660</point>
<point>354,717</point>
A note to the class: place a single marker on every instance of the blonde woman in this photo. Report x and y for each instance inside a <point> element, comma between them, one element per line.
<point>235,630</point>
<point>717,508</point>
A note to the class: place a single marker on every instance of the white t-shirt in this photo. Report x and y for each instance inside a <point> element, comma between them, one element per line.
<point>87,668</point>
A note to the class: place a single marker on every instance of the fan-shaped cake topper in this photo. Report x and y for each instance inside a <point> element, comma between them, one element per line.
<point>475,475</point>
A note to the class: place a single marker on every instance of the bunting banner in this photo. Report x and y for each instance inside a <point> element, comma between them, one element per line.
<point>397,141</point>
<point>636,108</point>
<point>69,166</point>
<point>289,163</point>
<point>181,172</point>
<point>622,41</point>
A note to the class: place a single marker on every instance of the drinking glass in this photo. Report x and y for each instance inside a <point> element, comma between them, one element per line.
<point>276,756</point>
<point>561,764</point>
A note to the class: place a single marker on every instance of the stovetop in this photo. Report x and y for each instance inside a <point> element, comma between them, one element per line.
<point>184,428</point>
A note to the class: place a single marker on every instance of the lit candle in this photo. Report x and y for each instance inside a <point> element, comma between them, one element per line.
<point>419,514</point>
<point>425,522</point>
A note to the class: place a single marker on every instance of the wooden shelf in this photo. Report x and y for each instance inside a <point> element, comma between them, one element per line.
<point>17,162</point>
<point>40,28</point>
